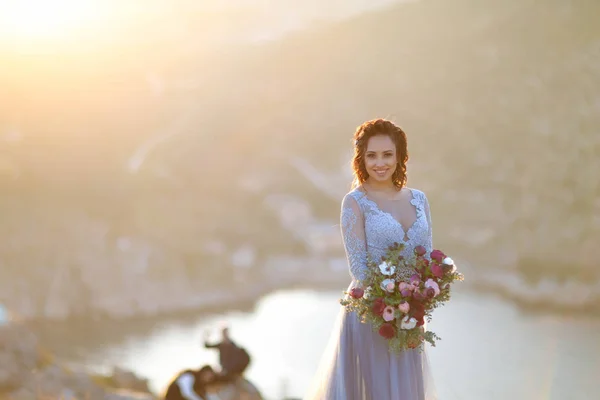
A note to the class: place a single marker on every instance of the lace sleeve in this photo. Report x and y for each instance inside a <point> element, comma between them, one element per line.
<point>429,243</point>
<point>353,234</point>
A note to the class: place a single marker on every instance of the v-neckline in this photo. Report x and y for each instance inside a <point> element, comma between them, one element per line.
<point>412,202</point>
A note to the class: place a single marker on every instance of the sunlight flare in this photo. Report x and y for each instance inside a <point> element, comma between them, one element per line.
<point>45,19</point>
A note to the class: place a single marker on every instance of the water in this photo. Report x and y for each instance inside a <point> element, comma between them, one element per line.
<point>489,349</point>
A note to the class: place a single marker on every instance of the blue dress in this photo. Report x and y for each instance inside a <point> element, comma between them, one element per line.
<point>357,364</point>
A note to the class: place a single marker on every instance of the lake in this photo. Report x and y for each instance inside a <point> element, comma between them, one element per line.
<point>490,349</point>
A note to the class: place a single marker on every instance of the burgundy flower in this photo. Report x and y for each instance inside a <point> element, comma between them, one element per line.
<point>417,310</point>
<point>378,306</point>
<point>357,292</point>
<point>416,279</point>
<point>417,295</point>
<point>437,270</point>
<point>387,331</point>
<point>420,250</point>
<point>437,255</point>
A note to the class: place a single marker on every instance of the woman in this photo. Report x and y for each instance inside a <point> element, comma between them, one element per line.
<point>379,211</point>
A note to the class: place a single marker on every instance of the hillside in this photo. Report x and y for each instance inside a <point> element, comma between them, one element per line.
<point>499,100</point>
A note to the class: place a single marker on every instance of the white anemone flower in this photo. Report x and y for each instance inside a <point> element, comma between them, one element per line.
<point>386,268</point>
<point>408,323</point>
<point>448,261</point>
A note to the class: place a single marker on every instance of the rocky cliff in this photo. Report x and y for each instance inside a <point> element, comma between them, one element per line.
<point>27,372</point>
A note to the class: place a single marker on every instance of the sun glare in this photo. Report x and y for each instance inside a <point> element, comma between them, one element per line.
<point>45,19</point>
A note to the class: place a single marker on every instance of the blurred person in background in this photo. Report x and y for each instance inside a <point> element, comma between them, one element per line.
<point>233,359</point>
<point>191,384</point>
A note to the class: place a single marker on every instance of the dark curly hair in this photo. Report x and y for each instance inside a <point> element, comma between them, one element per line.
<point>361,138</point>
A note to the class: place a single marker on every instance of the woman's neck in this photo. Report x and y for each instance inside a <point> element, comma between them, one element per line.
<point>387,186</point>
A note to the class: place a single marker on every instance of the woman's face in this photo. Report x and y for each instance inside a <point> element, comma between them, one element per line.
<point>380,158</point>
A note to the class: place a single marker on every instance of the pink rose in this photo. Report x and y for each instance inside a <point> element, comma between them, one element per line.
<point>437,270</point>
<point>357,292</point>
<point>390,286</point>
<point>402,286</point>
<point>431,284</point>
<point>404,307</point>
<point>406,293</point>
<point>437,255</point>
<point>388,313</point>
<point>420,250</point>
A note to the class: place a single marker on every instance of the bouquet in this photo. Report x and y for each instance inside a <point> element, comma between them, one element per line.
<point>398,295</point>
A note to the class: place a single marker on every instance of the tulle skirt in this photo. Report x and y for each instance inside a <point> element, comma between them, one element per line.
<point>357,365</point>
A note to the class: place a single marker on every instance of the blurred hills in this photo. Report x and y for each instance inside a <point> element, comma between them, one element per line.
<point>169,145</point>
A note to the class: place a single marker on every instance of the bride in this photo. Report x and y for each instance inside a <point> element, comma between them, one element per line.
<point>377,212</point>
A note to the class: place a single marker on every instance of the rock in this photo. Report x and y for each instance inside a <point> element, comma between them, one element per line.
<point>18,356</point>
<point>84,386</point>
<point>242,389</point>
<point>68,394</point>
<point>22,394</point>
<point>124,379</point>
<point>125,394</point>
<point>27,373</point>
<point>16,339</point>
<point>10,373</point>
<point>49,382</point>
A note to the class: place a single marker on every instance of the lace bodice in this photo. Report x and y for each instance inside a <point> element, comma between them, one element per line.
<point>367,229</point>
